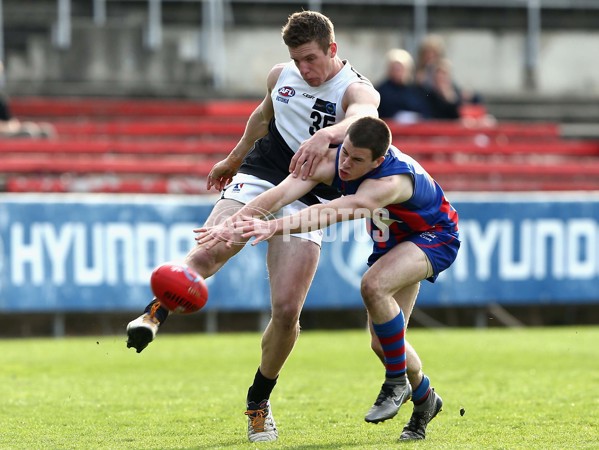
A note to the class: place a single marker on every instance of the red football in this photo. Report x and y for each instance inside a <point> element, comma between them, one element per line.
<point>179,288</point>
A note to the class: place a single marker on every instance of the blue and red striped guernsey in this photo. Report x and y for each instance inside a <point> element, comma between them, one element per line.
<point>427,210</point>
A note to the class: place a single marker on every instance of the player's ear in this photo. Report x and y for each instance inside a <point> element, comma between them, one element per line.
<point>333,49</point>
<point>379,160</point>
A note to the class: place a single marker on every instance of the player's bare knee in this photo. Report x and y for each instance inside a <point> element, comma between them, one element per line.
<point>370,290</point>
<point>204,261</point>
<point>286,316</point>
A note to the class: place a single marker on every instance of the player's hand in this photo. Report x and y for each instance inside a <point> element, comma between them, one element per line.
<point>221,174</point>
<point>260,230</point>
<point>225,232</point>
<point>308,155</point>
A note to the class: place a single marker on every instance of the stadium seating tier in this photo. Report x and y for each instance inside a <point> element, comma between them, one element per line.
<point>169,146</point>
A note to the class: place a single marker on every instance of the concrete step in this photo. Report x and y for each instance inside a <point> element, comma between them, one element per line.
<point>573,109</point>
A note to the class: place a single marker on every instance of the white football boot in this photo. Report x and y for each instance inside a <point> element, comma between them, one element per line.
<point>261,424</point>
<point>142,331</point>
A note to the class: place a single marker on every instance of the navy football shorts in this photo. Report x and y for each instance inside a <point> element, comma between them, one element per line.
<point>440,247</point>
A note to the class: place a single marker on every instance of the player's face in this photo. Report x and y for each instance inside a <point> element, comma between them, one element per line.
<point>355,162</point>
<point>315,66</point>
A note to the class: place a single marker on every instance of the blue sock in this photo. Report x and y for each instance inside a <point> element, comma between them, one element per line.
<point>391,335</point>
<point>422,392</point>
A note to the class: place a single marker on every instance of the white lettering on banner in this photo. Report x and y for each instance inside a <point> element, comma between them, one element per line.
<point>58,245</point>
<point>549,248</point>
<point>581,260</point>
<point>481,243</point>
<point>23,254</point>
<point>151,248</point>
<point>88,265</point>
<point>531,249</point>
<point>509,267</point>
<point>91,255</point>
<point>121,257</point>
<point>113,253</point>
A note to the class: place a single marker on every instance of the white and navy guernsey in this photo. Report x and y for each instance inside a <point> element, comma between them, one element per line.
<point>299,111</point>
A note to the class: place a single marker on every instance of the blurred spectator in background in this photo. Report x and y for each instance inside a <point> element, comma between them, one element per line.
<point>13,127</point>
<point>448,101</point>
<point>430,52</point>
<point>445,97</point>
<point>401,99</point>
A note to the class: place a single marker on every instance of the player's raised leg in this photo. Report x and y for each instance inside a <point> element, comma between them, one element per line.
<point>291,267</point>
<point>142,330</point>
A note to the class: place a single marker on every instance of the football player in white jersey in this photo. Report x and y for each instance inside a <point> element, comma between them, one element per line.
<point>309,105</point>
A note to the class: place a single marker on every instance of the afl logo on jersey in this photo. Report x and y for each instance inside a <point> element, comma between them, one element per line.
<point>285,93</point>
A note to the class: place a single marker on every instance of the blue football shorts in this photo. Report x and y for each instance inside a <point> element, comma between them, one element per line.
<point>441,249</point>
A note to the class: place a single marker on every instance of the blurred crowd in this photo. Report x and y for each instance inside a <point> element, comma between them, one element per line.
<point>11,126</point>
<point>414,90</point>
<point>425,89</point>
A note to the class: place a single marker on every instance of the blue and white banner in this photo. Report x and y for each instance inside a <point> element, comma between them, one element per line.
<point>96,252</point>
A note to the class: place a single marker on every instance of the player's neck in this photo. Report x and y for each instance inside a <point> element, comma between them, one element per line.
<point>338,65</point>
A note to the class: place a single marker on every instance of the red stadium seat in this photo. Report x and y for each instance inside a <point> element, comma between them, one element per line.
<point>169,146</point>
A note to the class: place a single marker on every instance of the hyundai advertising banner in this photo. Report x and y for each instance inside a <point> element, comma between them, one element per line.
<point>96,252</point>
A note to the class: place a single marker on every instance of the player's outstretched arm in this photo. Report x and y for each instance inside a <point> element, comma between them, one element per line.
<point>309,219</point>
<point>265,205</point>
<point>268,203</point>
<point>372,196</point>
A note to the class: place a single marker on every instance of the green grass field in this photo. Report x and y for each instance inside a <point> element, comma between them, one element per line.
<point>521,389</point>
